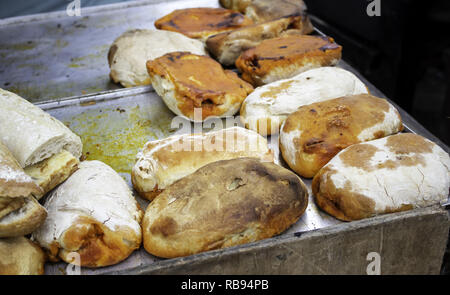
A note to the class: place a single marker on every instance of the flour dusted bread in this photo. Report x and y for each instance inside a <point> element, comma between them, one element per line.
<point>20,213</point>
<point>395,173</point>
<point>287,56</point>
<point>223,204</point>
<point>93,214</point>
<point>129,53</point>
<point>187,81</point>
<point>315,133</point>
<point>199,23</point>
<point>19,256</point>
<point>165,161</point>
<point>268,106</point>
<point>226,47</point>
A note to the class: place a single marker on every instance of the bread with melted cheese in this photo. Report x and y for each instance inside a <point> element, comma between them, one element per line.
<point>131,50</point>
<point>223,204</point>
<point>268,106</point>
<point>392,174</point>
<point>287,56</point>
<point>20,256</point>
<point>226,47</point>
<point>163,162</point>
<point>188,81</point>
<point>315,133</point>
<point>93,214</point>
<point>202,22</point>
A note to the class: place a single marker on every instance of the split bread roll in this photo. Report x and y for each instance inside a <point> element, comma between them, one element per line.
<point>163,162</point>
<point>226,47</point>
<point>315,133</point>
<point>395,173</point>
<point>129,53</point>
<point>223,204</point>
<point>284,57</point>
<point>187,82</point>
<point>20,213</point>
<point>93,214</point>
<point>268,106</point>
<point>36,138</point>
<point>20,256</point>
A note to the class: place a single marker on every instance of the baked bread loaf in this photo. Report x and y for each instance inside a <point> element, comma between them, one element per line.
<point>200,23</point>
<point>93,214</point>
<point>163,162</point>
<point>226,47</point>
<point>187,81</point>
<point>268,106</point>
<point>19,256</point>
<point>129,53</point>
<point>37,139</point>
<point>286,56</point>
<point>20,213</point>
<point>395,173</point>
<point>315,133</point>
<point>223,204</point>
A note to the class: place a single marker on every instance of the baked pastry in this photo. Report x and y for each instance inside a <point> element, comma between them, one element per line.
<point>163,162</point>
<point>395,173</point>
<point>93,214</point>
<point>287,56</point>
<point>268,106</point>
<point>34,137</point>
<point>226,47</point>
<point>239,5</point>
<point>186,81</point>
<point>199,23</point>
<point>315,133</point>
<point>129,53</point>
<point>19,256</point>
<point>223,204</point>
<point>20,213</point>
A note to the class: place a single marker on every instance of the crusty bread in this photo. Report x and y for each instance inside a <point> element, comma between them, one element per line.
<point>268,106</point>
<point>226,47</point>
<point>52,171</point>
<point>286,56</point>
<point>165,161</point>
<point>20,256</point>
<point>202,22</point>
<point>223,204</point>
<point>31,134</point>
<point>93,214</point>
<point>265,10</point>
<point>24,220</point>
<point>187,81</point>
<point>315,133</point>
<point>129,53</point>
<point>395,173</point>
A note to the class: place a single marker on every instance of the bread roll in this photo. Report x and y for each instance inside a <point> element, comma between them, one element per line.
<point>286,56</point>
<point>226,47</point>
<point>266,10</point>
<point>202,22</point>
<point>223,204</point>
<point>31,134</point>
<point>129,53</point>
<point>163,162</point>
<point>268,106</point>
<point>187,81</point>
<point>93,214</point>
<point>315,133</point>
<point>19,256</point>
<point>395,173</point>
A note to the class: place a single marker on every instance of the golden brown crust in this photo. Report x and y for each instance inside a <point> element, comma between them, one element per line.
<point>202,22</point>
<point>8,205</point>
<point>199,82</point>
<point>266,10</point>
<point>330,126</point>
<point>223,204</point>
<point>20,256</point>
<point>292,53</point>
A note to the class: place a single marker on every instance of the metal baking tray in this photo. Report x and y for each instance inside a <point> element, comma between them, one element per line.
<point>59,63</point>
